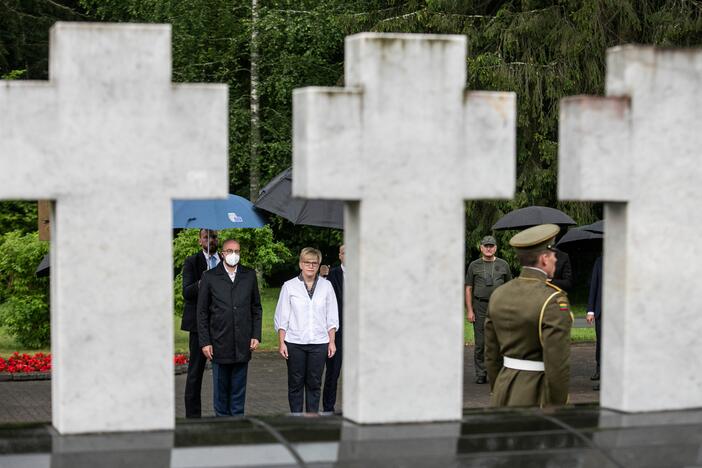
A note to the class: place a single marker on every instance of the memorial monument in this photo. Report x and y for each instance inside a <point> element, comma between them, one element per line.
<point>112,141</point>
<point>638,150</point>
<point>405,144</point>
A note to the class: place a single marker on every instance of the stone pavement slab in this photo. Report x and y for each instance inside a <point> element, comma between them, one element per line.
<point>30,401</point>
<point>583,436</point>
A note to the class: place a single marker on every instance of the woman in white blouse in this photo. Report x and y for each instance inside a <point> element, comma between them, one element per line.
<point>306,319</point>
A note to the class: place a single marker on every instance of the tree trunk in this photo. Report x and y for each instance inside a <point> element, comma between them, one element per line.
<point>254,175</point>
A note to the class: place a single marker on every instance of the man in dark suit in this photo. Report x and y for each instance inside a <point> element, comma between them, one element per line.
<point>229,318</point>
<point>594,313</point>
<point>193,268</point>
<point>331,377</point>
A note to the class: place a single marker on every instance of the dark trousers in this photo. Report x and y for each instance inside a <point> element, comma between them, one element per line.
<point>331,377</point>
<point>229,388</point>
<point>193,382</point>
<point>598,341</point>
<point>480,310</point>
<point>305,366</point>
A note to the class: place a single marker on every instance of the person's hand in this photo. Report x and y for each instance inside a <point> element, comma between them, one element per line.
<point>590,318</point>
<point>283,350</point>
<point>471,316</point>
<point>254,344</point>
<point>331,349</point>
<point>207,351</point>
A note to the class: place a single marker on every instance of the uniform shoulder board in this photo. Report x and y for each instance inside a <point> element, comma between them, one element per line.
<point>551,285</point>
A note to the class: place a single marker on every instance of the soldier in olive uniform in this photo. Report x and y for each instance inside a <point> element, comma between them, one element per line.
<point>528,324</point>
<point>484,275</point>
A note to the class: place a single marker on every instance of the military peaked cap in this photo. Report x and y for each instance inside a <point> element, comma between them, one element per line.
<point>535,239</point>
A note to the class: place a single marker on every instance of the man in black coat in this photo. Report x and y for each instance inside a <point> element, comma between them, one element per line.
<point>193,268</point>
<point>331,377</point>
<point>229,317</point>
<point>594,313</point>
<point>563,277</point>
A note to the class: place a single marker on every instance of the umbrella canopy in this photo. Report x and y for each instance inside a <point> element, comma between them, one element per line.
<point>533,216</point>
<point>232,212</point>
<point>276,197</point>
<point>44,267</point>
<point>597,226</point>
<point>579,235</point>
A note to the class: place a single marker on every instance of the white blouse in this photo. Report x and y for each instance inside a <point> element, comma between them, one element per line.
<point>305,320</point>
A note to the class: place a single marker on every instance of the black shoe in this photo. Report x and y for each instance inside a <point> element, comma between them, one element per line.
<point>596,387</point>
<point>481,379</point>
<point>595,376</point>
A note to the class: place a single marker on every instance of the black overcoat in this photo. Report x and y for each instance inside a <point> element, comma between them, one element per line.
<point>336,278</point>
<point>229,313</point>
<point>193,268</point>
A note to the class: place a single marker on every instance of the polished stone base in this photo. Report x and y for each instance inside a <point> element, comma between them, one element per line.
<point>582,436</point>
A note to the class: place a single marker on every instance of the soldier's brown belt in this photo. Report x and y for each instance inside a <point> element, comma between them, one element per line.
<point>523,364</point>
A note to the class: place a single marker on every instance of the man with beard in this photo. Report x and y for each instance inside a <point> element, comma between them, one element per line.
<point>193,268</point>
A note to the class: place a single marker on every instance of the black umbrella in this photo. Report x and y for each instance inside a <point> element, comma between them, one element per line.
<point>276,197</point>
<point>533,216</point>
<point>579,235</point>
<point>44,267</point>
<point>597,227</point>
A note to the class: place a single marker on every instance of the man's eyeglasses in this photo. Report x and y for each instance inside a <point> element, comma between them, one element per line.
<point>310,263</point>
<point>229,251</point>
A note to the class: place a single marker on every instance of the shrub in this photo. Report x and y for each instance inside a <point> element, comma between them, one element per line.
<point>24,298</point>
<point>258,250</point>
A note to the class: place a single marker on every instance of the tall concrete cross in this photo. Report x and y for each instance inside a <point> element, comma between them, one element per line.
<point>112,141</point>
<point>405,144</point>
<point>639,150</point>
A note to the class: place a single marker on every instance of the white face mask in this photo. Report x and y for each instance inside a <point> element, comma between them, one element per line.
<point>232,259</point>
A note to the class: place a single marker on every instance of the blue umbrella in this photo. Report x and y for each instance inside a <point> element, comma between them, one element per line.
<point>232,212</point>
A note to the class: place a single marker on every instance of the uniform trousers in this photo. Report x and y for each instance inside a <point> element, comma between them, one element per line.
<point>305,366</point>
<point>480,311</point>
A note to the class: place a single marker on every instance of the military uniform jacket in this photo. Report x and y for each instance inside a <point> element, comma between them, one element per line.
<point>480,271</point>
<point>530,319</point>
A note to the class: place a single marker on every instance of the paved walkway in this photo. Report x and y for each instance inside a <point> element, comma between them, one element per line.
<point>30,401</point>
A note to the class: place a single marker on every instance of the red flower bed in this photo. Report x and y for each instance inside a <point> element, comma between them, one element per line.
<point>180,359</point>
<point>41,362</point>
<point>17,363</point>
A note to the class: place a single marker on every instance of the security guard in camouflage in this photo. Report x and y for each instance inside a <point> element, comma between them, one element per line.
<point>528,324</point>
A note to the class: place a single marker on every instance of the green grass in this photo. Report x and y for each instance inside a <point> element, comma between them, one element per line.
<point>9,345</point>
<point>578,335</point>
<point>269,341</point>
<point>269,298</point>
<point>579,310</point>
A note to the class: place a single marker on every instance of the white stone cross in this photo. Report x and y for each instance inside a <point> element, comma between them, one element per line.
<point>406,145</point>
<point>640,151</point>
<point>113,142</point>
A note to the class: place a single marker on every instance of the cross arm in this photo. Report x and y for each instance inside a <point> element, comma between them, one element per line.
<point>327,142</point>
<point>490,142</point>
<point>594,133</point>
<point>28,131</point>
<point>198,140</point>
